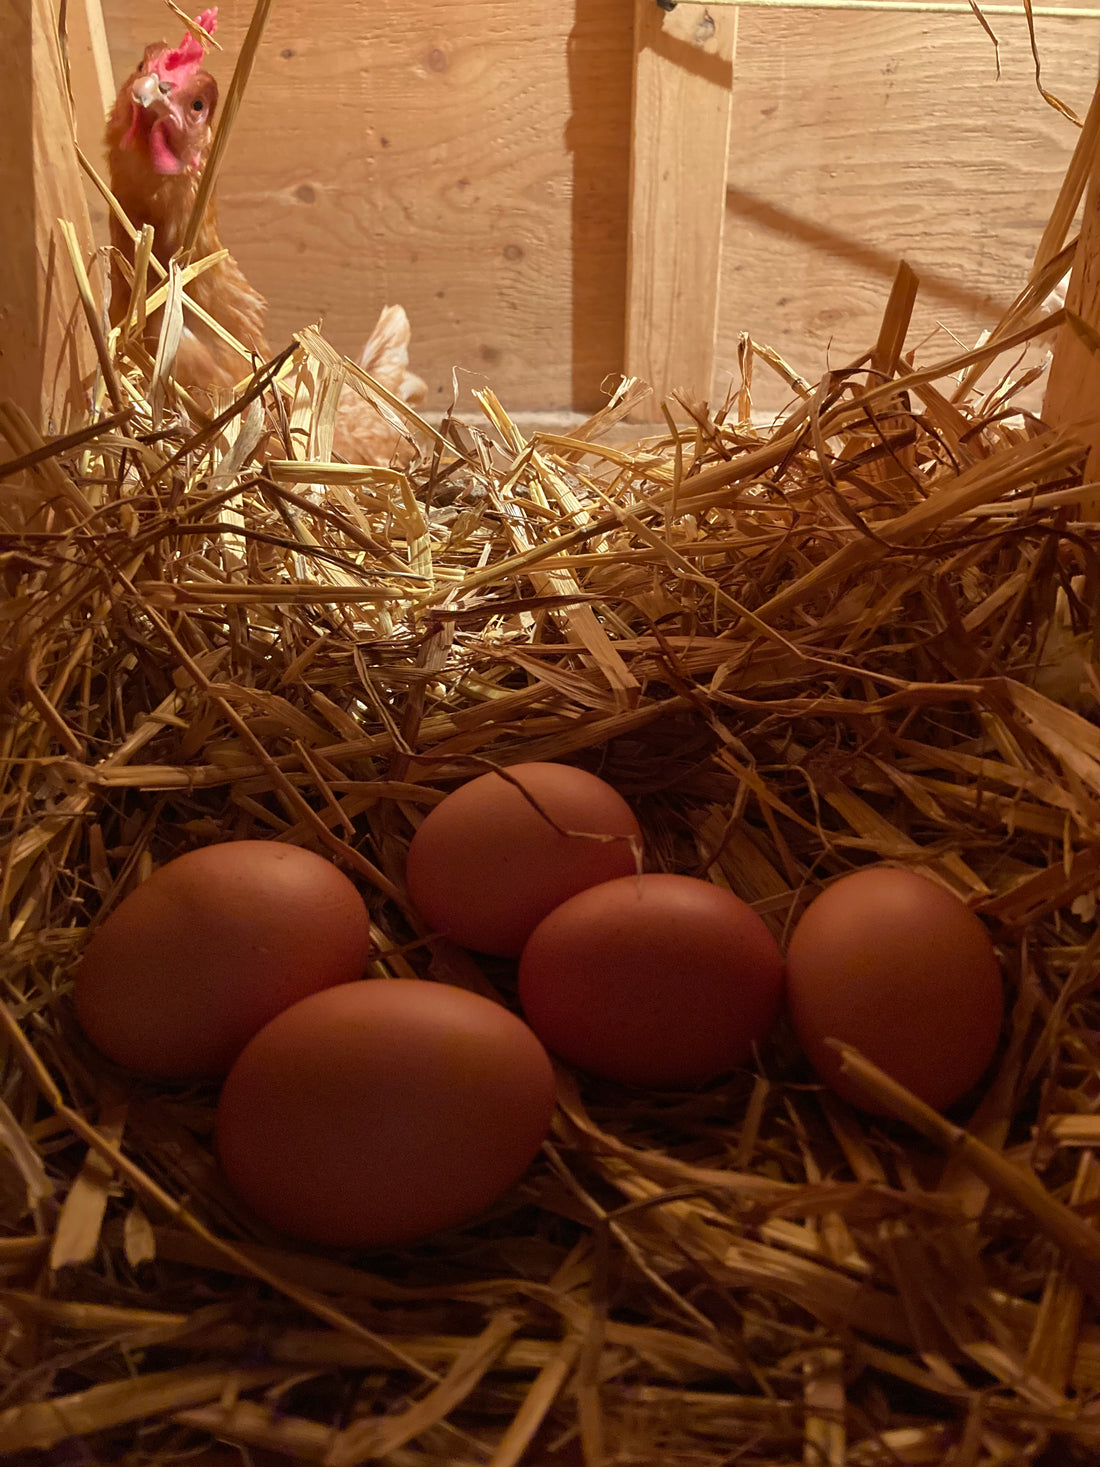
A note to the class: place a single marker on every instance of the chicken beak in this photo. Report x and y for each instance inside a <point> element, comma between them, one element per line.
<point>146,89</point>
<point>150,92</point>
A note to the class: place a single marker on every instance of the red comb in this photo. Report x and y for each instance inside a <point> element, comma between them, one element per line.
<point>189,53</point>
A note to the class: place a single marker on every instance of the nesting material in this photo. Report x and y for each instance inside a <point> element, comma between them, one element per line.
<point>862,634</point>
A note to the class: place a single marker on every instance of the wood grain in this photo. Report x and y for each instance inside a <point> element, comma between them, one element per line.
<point>683,75</point>
<point>860,140</point>
<point>471,161</point>
<point>467,160</point>
<point>46,354</point>
<point>93,92</point>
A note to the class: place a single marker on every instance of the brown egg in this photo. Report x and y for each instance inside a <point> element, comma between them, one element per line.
<point>652,980</point>
<point>382,1111</point>
<point>217,942</point>
<point>893,964</point>
<point>485,866</point>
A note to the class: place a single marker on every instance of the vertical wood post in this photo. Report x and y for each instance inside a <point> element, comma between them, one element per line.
<point>683,79</point>
<point>46,354</point>
<point>93,96</point>
<point>1072,398</point>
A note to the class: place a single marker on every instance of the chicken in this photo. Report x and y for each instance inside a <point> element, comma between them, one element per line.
<point>159,134</point>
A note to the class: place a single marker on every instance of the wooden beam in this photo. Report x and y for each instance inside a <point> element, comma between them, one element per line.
<point>1072,398</point>
<point>683,79</point>
<point>93,96</point>
<point>46,354</point>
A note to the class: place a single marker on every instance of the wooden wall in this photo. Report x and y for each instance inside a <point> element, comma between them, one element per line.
<point>860,139</point>
<point>45,350</point>
<point>471,159</point>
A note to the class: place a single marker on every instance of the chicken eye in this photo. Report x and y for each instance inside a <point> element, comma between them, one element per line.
<point>141,66</point>
<point>197,104</point>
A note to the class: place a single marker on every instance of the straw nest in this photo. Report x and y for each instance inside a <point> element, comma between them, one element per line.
<point>861,634</point>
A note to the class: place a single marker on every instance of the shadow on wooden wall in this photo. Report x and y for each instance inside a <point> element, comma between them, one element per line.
<point>872,260</point>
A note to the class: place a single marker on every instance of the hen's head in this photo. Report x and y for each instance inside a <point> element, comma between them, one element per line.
<point>165,107</point>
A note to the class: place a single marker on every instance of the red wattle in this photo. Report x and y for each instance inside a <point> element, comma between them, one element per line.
<point>164,160</point>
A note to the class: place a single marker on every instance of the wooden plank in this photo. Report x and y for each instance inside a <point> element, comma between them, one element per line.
<point>467,160</point>
<point>46,354</point>
<point>1072,398</point>
<point>93,93</point>
<point>683,76</point>
<point>859,140</point>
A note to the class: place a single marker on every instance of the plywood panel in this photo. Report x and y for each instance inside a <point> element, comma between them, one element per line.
<point>859,139</point>
<point>468,160</point>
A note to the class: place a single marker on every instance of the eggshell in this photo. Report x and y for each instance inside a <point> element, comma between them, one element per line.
<point>382,1111</point>
<point>214,944</point>
<point>890,962</point>
<point>485,866</point>
<point>653,980</point>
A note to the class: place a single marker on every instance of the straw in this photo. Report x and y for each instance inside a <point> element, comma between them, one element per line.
<point>862,633</point>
